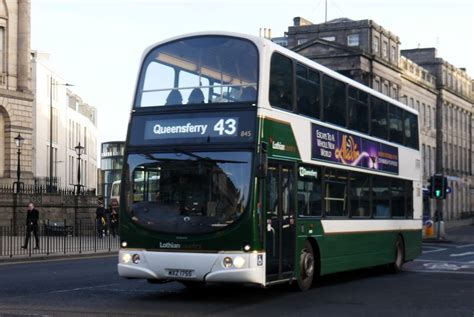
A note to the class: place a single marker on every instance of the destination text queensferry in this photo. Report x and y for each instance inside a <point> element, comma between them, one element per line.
<point>248,163</point>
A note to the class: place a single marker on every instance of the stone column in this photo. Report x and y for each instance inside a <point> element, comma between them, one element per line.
<point>24,20</point>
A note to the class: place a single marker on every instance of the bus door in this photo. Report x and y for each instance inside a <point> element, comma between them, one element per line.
<point>280,221</point>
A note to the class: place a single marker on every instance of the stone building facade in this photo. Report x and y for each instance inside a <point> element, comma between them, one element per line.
<point>73,121</point>
<point>455,122</point>
<point>442,93</point>
<point>16,98</point>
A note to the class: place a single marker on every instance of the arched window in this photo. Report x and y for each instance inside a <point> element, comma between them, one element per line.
<point>2,144</point>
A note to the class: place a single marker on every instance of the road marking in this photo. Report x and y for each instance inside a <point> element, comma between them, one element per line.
<point>435,250</point>
<point>465,246</point>
<point>462,254</point>
<point>80,288</point>
<point>445,266</point>
<point>440,261</point>
<point>445,272</point>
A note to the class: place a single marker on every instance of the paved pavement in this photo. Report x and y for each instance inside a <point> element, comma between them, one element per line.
<point>463,234</point>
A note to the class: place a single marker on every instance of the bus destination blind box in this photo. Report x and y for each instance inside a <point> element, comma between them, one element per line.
<point>193,128</point>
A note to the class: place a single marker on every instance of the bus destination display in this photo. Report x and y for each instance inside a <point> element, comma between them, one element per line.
<point>193,128</point>
<point>186,128</point>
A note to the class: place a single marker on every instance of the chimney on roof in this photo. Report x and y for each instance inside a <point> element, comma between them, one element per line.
<point>299,21</point>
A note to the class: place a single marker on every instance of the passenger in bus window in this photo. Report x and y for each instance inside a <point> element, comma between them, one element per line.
<point>248,94</point>
<point>196,96</point>
<point>174,98</point>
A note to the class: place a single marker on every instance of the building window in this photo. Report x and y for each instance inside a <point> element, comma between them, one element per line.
<point>385,89</point>
<point>385,49</point>
<point>377,85</point>
<point>353,40</point>
<point>55,125</point>
<point>423,114</point>
<point>393,55</point>
<point>376,45</point>
<point>2,49</point>
<point>302,41</point>
<point>328,38</point>
<point>2,145</point>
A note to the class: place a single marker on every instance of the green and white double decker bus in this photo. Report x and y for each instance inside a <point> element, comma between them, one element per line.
<point>257,165</point>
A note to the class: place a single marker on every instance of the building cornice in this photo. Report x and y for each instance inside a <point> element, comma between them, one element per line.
<point>26,96</point>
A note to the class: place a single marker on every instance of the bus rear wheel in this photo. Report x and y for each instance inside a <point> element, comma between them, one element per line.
<point>397,264</point>
<point>307,267</point>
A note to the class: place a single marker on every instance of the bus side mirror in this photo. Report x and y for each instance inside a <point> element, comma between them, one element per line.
<point>262,167</point>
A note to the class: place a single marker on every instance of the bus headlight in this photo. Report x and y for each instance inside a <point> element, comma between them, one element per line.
<point>136,258</point>
<point>239,262</point>
<point>124,244</point>
<point>227,262</point>
<point>126,257</point>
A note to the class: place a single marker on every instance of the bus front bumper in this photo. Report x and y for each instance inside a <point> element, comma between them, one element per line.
<point>236,267</point>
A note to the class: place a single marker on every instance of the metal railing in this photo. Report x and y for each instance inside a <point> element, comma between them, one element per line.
<point>43,189</point>
<point>55,239</point>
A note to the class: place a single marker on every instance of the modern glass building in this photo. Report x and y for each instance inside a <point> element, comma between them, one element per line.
<point>111,167</point>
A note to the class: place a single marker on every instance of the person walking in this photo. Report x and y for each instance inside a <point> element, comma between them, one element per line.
<point>100,216</point>
<point>114,216</point>
<point>31,225</point>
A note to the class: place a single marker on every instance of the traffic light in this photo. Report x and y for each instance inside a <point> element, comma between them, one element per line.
<point>439,184</point>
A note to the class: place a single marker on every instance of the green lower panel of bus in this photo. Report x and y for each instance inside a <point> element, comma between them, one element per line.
<point>349,251</point>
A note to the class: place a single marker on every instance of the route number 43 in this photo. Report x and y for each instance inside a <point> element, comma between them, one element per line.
<point>228,127</point>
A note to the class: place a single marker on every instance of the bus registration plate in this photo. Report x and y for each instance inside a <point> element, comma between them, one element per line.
<point>180,273</point>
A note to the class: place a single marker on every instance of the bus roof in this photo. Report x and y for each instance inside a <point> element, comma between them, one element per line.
<point>263,43</point>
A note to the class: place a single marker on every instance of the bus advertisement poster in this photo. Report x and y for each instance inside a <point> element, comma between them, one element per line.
<point>344,148</point>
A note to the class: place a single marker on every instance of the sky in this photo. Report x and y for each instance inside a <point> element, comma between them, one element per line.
<point>97,44</point>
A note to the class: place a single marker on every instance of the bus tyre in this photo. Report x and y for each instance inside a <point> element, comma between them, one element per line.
<point>307,265</point>
<point>397,264</point>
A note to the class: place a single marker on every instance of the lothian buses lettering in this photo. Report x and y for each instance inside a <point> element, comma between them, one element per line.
<point>169,245</point>
<point>343,148</point>
<point>307,172</point>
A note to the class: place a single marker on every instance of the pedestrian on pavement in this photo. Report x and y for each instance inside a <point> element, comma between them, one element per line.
<point>114,216</point>
<point>31,225</point>
<point>100,216</point>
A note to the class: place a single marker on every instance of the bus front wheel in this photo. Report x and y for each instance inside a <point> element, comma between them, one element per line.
<point>307,265</point>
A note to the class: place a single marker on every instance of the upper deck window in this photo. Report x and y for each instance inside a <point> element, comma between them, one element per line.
<point>197,70</point>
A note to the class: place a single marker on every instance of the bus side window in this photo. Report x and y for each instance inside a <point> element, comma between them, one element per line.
<point>334,101</point>
<point>308,91</point>
<point>379,118</point>
<point>411,130</point>
<point>358,102</point>
<point>281,82</point>
<point>381,196</point>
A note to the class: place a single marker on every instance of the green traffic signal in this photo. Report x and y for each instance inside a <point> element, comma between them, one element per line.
<point>438,186</point>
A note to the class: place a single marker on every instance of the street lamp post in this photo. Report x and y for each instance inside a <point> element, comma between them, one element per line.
<point>18,142</point>
<point>79,151</point>
<point>17,185</point>
<point>51,84</point>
